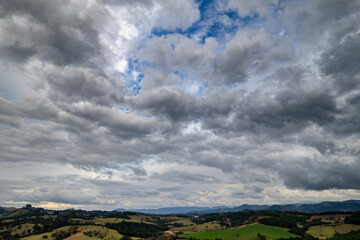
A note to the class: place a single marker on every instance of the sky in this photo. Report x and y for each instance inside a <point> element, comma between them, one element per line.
<point>129,104</point>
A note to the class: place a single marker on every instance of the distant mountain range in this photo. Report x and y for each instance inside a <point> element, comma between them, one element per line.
<point>175,210</point>
<point>345,206</point>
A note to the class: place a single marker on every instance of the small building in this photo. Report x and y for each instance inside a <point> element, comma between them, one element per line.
<point>171,233</point>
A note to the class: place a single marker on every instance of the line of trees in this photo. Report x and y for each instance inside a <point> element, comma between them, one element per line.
<point>353,219</point>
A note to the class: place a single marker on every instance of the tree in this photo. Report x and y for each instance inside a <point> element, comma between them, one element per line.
<point>260,237</point>
<point>126,238</point>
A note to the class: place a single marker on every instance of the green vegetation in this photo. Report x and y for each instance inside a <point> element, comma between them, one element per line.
<point>346,228</point>
<point>38,224</point>
<point>350,236</point>
<point>193,228</point>
<point>90,232</point>
<point>246,232</point>
<point>323,232</point>
<point>353,219</point>
<point>29,221</point>
<point>229,219</point>
<point>142,230</point>
<point>279,222</point>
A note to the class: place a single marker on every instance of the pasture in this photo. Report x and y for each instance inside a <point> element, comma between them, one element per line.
<point>323,232</point>
<point>247,232</point>
<point>96,232</point>
<point>194,228</point>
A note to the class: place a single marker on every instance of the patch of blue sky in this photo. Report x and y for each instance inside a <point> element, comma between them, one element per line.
<point>191,83</point>
<point>129,164</point>
<point>181,74</point>
<point>121,108</point>
<point>279,29</point>
<point>279,6</point>
<point>127,110</point>
<point>201,89</point>
<point>185,77</point>
<point>122,166</point>
<point>134,76</point>
<point>214,22</point>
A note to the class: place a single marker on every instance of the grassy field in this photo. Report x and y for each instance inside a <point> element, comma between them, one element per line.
<point>137,218</point>
<point>185,221</point>
<point>194,228</point>
<point>19,229</point>
<point>103,233</point>
<point>346,228</point>
<point>248,232</point>
<point>103,221</point>
<point>141,218</point>
<point>323,232</point>
<point>330,218</point>
<point>79,221</point>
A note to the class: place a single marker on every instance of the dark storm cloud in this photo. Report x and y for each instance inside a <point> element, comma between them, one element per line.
<point>71,84</point>
<point>179,106</point>
<point>247,51</point>
<point>169,101</point>
<point>293,104</point>
<point>16,52</point>
<point>138,171</point>
<point>253,192</point>
<point>341,62</point>
<point>309,174</point>
<point>322,145</point>
<point>116,121</point>
<point>354,100</point>
<point>332,16</point>
<point>292,107</point>
<point>67,38</point>
<point>241,53</point>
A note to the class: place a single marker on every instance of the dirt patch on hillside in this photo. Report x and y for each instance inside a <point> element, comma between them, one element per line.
<point>77,235</point>
<point>329,217</point>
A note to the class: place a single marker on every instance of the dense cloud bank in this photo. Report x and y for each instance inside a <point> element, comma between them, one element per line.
<point>137,103</point>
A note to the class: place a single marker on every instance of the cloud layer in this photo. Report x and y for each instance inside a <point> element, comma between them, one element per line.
<point>140,103</point>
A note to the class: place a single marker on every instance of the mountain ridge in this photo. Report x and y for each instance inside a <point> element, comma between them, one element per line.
<point>326,206</point>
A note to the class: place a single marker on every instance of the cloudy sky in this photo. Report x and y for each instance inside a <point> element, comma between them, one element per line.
<point>145,104</point>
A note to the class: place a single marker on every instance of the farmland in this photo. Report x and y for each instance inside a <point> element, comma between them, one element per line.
<point>30,223</point>
<point>246,232</point>
<point>324,231</point>
<point>91,232</point>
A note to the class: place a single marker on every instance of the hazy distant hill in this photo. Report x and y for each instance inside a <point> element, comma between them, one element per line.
<point>350,205</point>
<point>346,206</point>
<point>6,209</point>
<point>173,210</point>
